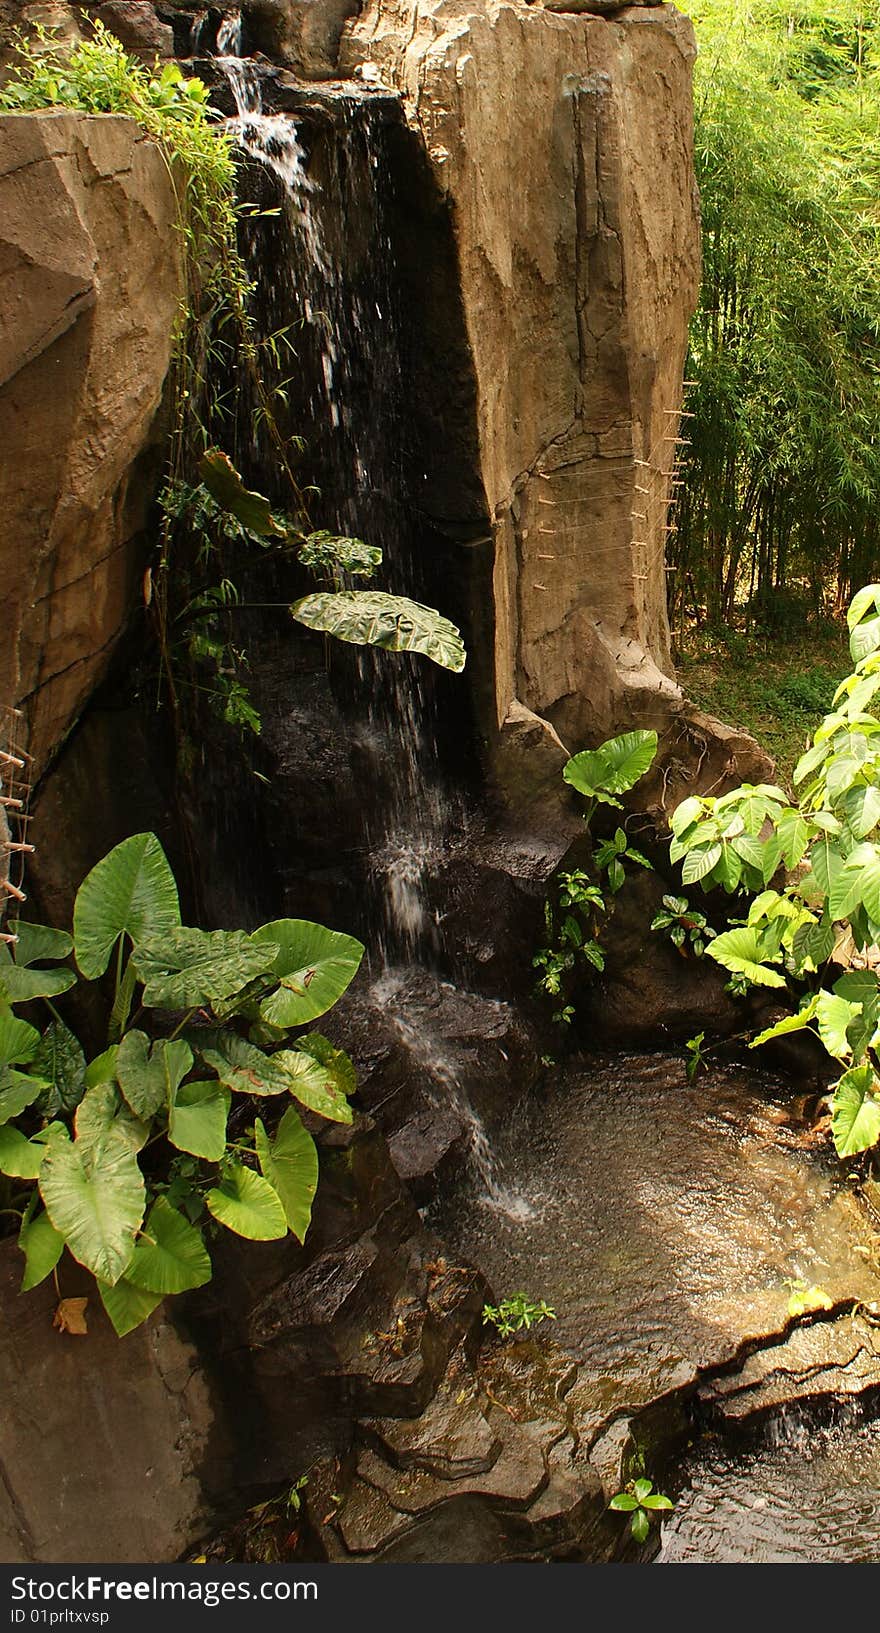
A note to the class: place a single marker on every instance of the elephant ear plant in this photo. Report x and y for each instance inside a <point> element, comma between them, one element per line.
<point>133,1159</point>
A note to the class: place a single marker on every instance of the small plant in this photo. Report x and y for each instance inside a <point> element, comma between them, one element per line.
<point>613,768</point>
<point>572,939</point>
<point>571,935</point>
<point>514,1313</point>
<point>805,1299</point>
<point>684,926</point>
<point>695,1055</point>
<point>641,1501</point>
<point>133,1158</point>
<point>610,856</point>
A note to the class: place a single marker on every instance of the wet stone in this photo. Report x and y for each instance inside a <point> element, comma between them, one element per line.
<point>838,1359</point>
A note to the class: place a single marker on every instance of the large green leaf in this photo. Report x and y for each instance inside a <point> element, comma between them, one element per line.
<point>130,892</point>
<point>313,965</point>
<point>18,1090</point>
<point>186,968</point>
<point>614,767</point>
<point>860,987</point>
<point>241,1065</point>
<point>789,1023</point>
<point>248,1205</point>
<point>20,1157</point>
<point>314,1085</point>
<point>699,862</point>
<point>149,1077</point>
<point>858,882</point>
<point>94,1195</point>
<point>169,1255</point>
<point>337,1063</point>
<point>290,1164</point>
<point>373,618</point>
<point>855,1115</point>
<point>36,941</point>
<point>102,1109</point>
<point>60,1059</point>
<point>197,1119</point>
<point>42,1246</point>
<point>19,1042</point>
<point>741,952</point>
<point>861,808</point>
<point>20,985</point>
<point>226,487</point>
<point>834,1016</point>
<point>127,1306</point>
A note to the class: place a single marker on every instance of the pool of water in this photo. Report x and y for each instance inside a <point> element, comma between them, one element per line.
<point>805,1495</point>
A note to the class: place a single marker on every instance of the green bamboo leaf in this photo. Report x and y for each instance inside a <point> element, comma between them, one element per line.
<point>290,1164</point>
<point>94,1195</point>
<point>169,1255</point>
<point>313,965</point>
<point>248,1205</point>
<point>130,892</point>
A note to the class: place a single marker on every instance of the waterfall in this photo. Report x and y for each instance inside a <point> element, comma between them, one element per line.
<point>410,831</point>
<point>355,405</point>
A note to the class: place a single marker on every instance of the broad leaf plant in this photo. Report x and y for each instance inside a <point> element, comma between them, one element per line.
<point>811,863</point>
<point>133,1159</point>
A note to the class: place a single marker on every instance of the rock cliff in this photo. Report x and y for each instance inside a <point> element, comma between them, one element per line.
<point>88,296</point>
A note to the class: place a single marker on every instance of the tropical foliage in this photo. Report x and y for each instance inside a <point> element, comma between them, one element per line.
<point>811,864</point>
<point>132,1158</point>
<point>778,506</point>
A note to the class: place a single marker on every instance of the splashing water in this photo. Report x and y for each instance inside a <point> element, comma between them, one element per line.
<point>388,993</point>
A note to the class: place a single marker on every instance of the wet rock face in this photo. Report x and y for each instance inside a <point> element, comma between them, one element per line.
<point>87,307</point>
<point>104,1450</point>
<point>470,1481</point>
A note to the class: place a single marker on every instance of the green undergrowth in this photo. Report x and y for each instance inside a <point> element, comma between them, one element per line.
<point>773,687</point>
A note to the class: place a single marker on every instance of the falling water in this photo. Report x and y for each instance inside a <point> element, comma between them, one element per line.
<point>411,821</point>
<point>410,830</point>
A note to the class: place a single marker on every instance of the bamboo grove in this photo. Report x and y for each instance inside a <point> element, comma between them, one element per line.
<point>778,513</point>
